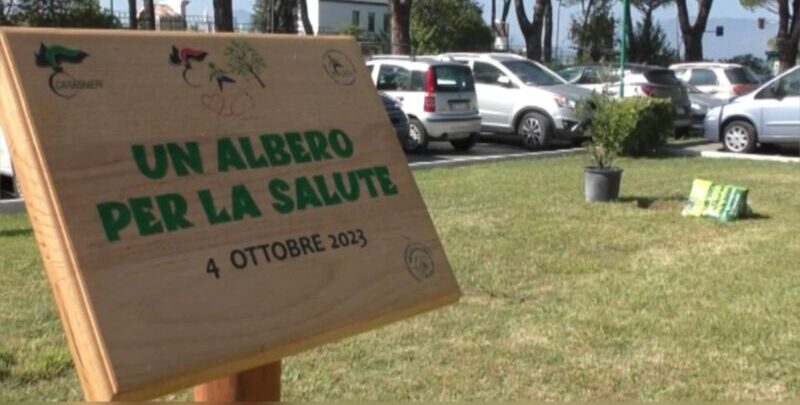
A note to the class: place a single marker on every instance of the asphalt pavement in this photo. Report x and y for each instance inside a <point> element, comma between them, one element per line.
<point>442,154</point>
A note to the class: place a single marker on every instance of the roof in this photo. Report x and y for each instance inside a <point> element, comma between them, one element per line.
<point>704,65</point>
<point>633,67</point>
<point>497,56</point>
<point>420,59</point>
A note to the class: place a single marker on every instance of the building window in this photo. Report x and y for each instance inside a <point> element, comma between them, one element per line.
<point>356,18</point>
<point>387,22</point>
<point>371,22</point>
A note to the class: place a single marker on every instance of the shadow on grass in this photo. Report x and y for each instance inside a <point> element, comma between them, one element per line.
<point>677,202</point>
<point>10,233</point>
<point>752,215</point>
<point>654,202</point>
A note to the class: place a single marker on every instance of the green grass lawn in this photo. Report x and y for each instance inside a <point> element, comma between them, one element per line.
<point>563,300</point>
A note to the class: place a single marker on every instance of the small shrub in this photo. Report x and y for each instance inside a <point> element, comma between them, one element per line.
<point>633,126</point>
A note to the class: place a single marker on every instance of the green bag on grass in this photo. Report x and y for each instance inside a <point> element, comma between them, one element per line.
<point>719,201</point>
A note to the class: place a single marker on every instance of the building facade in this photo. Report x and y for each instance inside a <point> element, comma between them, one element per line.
<point>370,17</point>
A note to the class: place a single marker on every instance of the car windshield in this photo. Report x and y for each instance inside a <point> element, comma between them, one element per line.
<point>570,74</point>
<point>741,76</point>
<point>532,74</point>
<point>454,78</point>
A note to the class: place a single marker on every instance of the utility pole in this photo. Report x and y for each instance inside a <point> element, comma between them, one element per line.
<point>623,47</point>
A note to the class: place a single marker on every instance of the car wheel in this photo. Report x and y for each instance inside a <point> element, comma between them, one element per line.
<point>417,140</point>
<point>739,137</point>
<point>534,130</point>
<point>466,143</point>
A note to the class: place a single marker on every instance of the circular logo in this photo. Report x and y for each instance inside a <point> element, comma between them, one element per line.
<point>419,261</point>
<point>339,67</point>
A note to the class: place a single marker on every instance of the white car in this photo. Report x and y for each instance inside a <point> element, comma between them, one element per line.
<point>7,181</point>
<point>639,81</point>
<point>438,97</point>
<point>720,80</point>
<point>519,96</point>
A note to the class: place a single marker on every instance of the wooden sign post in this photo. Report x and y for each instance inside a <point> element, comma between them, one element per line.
<point>210,204</point>
<point>256,385</point>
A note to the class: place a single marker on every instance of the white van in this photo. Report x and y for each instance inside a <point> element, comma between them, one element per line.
<point>438,97</point>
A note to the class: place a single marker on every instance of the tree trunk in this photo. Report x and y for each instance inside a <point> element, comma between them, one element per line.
<point>692,47</point>
<point>493,16</point>
<point>149,15</point>
<point>548,33</point>
<point>506,9</point>
<point>693,33</point>
<point>788,38</point>
<point>133,20</point>
<point>223,15</point>
<point>401,21</point>
<point>307,27</point>
<point>531,30</point>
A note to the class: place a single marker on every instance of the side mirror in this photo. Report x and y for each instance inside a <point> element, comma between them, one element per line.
<point>504,81</point>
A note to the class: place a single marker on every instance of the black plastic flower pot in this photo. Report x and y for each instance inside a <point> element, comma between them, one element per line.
<point>602,184</point>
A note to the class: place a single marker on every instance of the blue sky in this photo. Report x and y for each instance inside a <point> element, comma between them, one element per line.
<point>667,16</point>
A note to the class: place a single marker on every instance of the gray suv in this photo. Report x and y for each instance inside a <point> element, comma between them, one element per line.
<point>519,96</point>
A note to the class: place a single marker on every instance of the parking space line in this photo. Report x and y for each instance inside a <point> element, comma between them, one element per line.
<point>469,160</point>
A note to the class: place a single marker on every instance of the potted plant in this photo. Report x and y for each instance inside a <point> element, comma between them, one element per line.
<point>602,180</point>
<point>633,126</point>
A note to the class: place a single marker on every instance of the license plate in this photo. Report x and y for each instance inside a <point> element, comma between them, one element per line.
<point>459,105</point>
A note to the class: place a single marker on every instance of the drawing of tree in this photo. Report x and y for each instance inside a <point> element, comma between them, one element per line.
<point>243,60</point>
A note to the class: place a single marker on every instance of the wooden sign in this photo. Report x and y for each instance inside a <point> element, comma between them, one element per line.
<point>205,204</point>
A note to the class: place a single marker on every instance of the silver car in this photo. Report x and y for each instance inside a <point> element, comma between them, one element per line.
<point>521,97</point>
<point>768,115</point>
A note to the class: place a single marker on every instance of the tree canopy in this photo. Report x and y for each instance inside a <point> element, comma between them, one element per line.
<point>448,26</point>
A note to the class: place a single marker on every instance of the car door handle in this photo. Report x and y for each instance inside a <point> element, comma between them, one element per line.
<point>399,98</point>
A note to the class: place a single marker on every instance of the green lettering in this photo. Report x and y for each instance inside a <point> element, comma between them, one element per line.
<point>140,157</point>
<point>306,195</point>
<point>385,180</point>
<point>354,192</point>
<point>327,197</point>
<point>147,223</point>
<point>341,143</point>
<point>367,174</point>
<point>185,158</point>
<point>252,160</point>
<point>214,216</point>
<point>275,149</point>
<point>115,216</point>
<point>283,203</point>
<point>228,156</point>
<point>317,145</point>
<point>173,210</point>
<point>295,143</point>
<point>243,203</point>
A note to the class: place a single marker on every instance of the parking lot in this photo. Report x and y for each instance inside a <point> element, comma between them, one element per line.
<point>444,155</point>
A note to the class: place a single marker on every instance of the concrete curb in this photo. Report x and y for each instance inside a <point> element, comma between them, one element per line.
<point>12,206</point>
<point>466,161</point>
<point>727,155</point>
<point>689,143</point>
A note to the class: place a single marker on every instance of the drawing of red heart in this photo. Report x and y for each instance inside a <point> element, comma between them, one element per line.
<point>214,102</point>
<point>241,103</point>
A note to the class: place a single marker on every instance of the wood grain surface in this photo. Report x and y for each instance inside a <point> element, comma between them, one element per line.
<point>143,314</point>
